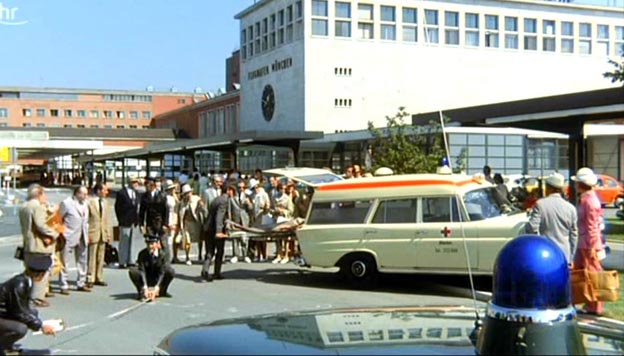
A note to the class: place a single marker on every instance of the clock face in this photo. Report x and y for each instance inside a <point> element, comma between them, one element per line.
<point>268,102</point>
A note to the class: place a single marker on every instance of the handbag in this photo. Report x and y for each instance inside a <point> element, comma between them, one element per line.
<point>583,290</point>
<point>606,285</point>
<point>19,253</point>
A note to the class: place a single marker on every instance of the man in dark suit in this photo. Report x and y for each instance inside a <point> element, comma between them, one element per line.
<point>16,312</point>
<point>154,215</point>
<point>216,236</point>
<point>127,210</point>
<point>153,273</point>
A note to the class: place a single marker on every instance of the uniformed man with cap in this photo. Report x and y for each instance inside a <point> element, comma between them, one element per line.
<point>16,312</point>
<point>152,274</point>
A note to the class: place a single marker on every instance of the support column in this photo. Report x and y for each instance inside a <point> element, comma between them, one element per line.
<point>147,168</point>
<point>123,172</point>
<point>578,159</point>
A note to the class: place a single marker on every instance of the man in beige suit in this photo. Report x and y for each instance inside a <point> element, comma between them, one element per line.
<point>39,238</point>
<point>99,235</point>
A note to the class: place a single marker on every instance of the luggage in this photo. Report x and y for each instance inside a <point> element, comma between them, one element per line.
<point>111,255</point>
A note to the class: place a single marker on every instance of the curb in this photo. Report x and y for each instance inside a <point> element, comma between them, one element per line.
<point>481,296</point>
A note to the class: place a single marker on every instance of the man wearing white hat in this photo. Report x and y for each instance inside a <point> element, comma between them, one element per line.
<point>555,218</point>
<point>590,242</point>
<point>190,222</point>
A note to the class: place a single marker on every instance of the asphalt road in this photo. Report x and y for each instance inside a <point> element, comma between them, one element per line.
<point>110,321</point>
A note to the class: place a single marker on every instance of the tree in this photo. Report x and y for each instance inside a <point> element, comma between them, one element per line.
<point>405,148</point>
<point>618,73</point>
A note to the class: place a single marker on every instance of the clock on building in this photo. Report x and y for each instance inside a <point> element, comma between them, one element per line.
<point>268,102</point>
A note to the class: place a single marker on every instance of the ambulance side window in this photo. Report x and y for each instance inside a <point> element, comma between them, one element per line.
<point>400,211</point>
<point>440,209</point>
<point>340,212</point>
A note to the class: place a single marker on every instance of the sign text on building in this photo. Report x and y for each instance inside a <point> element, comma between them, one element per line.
<point>275,67</point>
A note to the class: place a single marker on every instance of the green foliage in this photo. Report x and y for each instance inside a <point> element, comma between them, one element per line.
<point>460,162</point>
<point>404,148</point>
<point>618,73</point>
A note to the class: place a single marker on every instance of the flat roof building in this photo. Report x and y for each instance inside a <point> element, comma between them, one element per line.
<point>328,65</point>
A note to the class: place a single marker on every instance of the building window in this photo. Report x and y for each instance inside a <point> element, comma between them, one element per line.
<point>108,114</point>
<point>134,115</point>
<point>95,126</point>
<point>585,34</point>
<point>80,126</point>
<point>548,39</point>
<point>181,101</point>
<point>343,103</point>
<point>121,115</point>
<point>511,32</point>
<point>145,127</point>
<point>108,126</point>
<point>365,12</point>
<point>147,114</point>
<point>530,37</point>
<point>289,14</point>
<point>4,112</point>
<point>54,112</point>
<point>4,124</point>
<point>27,112</point>
<point>410,19</point>
<point>388,27</point>
<point>365,23</point>
<point>319,27</point>
<point>472,30</point>
<point>94,114</point>
<point>82,113</point>
<point>491,31</point>
<point>431,26</point>
<point>133,126</point>
<point>280,18</point>
<point>41,112</point>
<point>289,33</point>
<point>602,46</point>
<point>619,41</point>
<point>567,37</point>
<point>343,27</point>
<point>299,9</point>
<point>451,27</point>
<point>27,124</point>
<point>68,126</point>
<point>121,126</point>
<point>69,113</point>
<point>41,125</point>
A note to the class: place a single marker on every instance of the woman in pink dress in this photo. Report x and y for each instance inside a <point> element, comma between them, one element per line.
<point>589,240</point>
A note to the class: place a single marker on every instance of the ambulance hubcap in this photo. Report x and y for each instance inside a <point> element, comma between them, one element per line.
<point>358,268</point>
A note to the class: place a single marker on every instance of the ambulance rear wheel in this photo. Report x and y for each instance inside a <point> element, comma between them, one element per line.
<point>360,270</point>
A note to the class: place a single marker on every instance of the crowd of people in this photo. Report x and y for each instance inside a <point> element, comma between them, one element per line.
<point>209,210</point>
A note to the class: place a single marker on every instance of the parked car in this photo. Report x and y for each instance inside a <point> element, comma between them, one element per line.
<point>609,191</point>
<point>303,176</point>
<point>407,224</point>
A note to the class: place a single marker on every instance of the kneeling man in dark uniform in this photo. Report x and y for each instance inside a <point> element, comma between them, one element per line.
<point>152,274</point>
<point>16,312</point>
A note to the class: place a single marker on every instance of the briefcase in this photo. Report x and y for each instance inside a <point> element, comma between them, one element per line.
<point>115,233</point>
<point>606,285</point>
<point>19,253</point>
<point>583,290</point>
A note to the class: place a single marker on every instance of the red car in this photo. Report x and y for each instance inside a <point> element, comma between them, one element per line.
<point>609,190</point>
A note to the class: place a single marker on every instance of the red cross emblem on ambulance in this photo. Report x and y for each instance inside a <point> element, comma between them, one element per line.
<point>446,232</point>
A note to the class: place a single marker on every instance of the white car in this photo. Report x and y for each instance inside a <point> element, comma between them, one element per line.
<point>407,224</point>
<point>312,177</point>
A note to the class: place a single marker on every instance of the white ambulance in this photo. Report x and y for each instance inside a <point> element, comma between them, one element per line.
<point>407,224</point>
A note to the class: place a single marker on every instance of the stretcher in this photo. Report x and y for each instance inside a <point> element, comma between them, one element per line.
<point>271,232</point>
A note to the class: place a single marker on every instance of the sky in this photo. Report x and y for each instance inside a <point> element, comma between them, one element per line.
<point>118,44</point>
<point>122,44</point>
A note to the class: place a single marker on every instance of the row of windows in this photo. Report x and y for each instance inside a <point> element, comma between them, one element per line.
<point>131,98</point>
<point>28,124</point>
<point>94,114</point>
<point>219,122</point>
<point>343,71</point>
<point>573,36</point>
<point>343,103</point>
<point>273,31</point>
